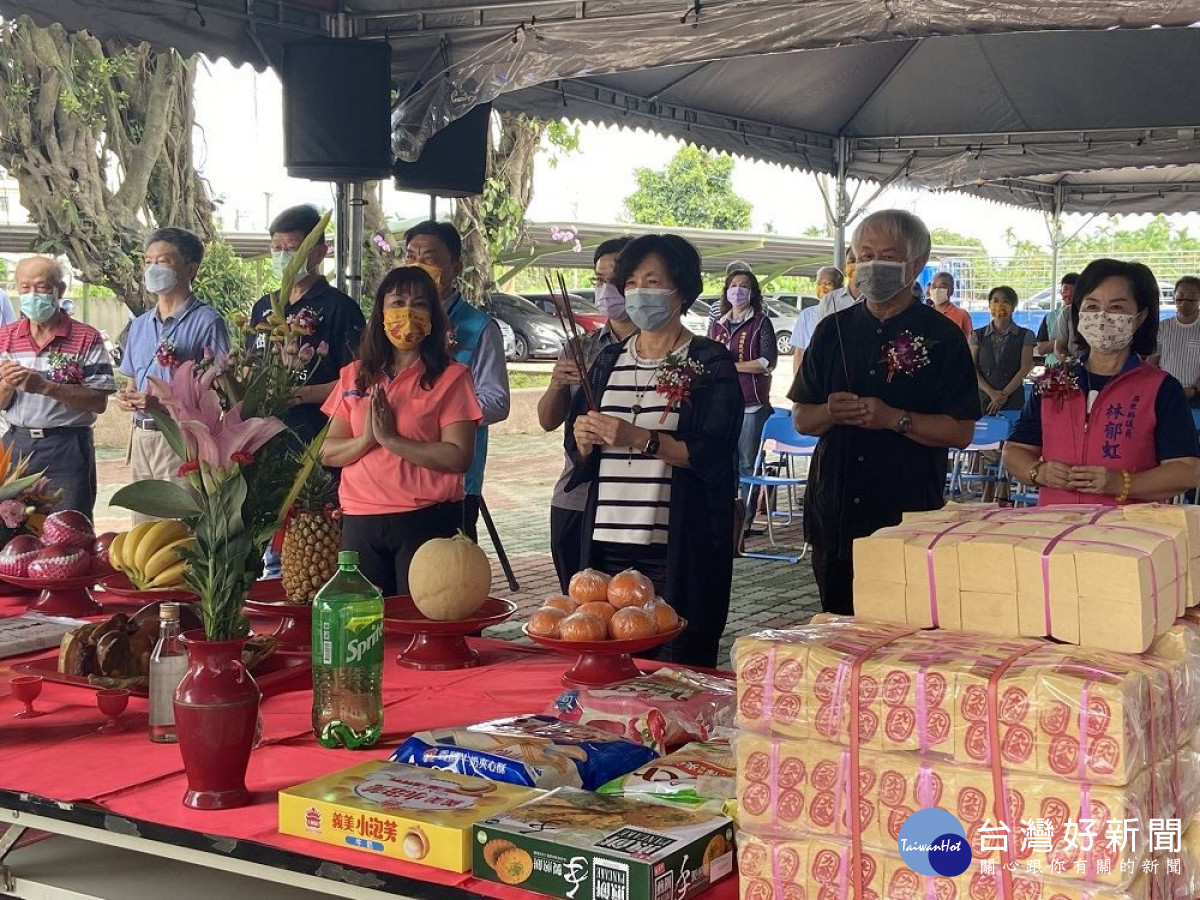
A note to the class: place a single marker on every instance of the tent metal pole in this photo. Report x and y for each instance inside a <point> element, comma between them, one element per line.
<point>356,239</point>
<point>1055,235</point>
<point>841,207</point>
<point>341,217</point>
<point>433,207</point>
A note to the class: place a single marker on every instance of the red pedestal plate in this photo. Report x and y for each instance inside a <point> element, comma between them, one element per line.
<point>602,663</point>
<point>438,646</point>
<point>62,596</point>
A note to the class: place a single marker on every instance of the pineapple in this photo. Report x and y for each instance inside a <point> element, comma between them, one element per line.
<point>312,540</point>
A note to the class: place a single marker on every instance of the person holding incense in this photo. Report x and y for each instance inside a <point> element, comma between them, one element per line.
<point>1110,428</point>
<point>659,453</point>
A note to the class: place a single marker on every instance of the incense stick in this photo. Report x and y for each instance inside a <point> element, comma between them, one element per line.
<point>574,340</point>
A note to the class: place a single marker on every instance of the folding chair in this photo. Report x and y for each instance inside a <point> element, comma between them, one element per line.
<point>781,439</point>
<point>990,434</point>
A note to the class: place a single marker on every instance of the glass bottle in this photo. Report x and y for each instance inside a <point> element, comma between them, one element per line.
<point>168,662</point>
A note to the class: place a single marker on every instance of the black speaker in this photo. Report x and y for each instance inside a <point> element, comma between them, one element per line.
<point>337,109</point>
<point>453,162</point>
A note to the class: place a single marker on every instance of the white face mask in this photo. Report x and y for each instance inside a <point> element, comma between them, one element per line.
<point>1105,331</point>
<point>940,295</point>
<point>881,279</point>
<point>281,259</point>
<point>160,279</point>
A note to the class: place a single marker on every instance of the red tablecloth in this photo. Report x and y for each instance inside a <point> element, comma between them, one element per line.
<point>61,756</point>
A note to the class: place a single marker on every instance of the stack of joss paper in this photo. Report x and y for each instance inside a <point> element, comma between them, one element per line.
<point>1104,577</point>
<point>1088,747</point>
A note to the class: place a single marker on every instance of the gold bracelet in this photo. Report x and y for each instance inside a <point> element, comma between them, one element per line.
<point>1126,483</point>
<point>1034,471</point>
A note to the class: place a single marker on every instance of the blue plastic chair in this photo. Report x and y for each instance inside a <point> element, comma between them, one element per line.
<point>990,434</point>
<point>780,439</point>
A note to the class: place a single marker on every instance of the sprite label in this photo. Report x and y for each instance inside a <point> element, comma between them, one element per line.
<point>347,640</point>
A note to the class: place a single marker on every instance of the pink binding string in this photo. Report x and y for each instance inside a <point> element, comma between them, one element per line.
<point>768,708</point>
<point>922,712</point>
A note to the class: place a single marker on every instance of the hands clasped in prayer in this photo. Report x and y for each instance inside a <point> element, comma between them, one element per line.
<point>1085,479</point>
<point>16,376</point>
<point>861,412</point>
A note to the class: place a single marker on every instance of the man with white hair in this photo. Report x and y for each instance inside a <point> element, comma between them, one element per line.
<point>55,378</point>
<point>887,386</point>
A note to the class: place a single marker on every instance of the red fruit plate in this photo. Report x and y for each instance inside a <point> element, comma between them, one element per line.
<point>269,600</point>
<point>602,663</point>
<point>61,596</point>
<point>120,588</point>
<point>438,646</point>
<point>272,675</point>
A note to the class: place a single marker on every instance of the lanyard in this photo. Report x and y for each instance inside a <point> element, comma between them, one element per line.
<point>140,375</point>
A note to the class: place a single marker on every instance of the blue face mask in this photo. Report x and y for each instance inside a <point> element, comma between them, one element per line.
<point>38,308</point>
<point>649,308</point>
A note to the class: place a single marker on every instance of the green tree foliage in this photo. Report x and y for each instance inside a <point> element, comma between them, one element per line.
<point>695,190</point>
<point>231,284</point>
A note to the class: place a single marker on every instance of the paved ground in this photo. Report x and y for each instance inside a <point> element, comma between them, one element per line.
<point>521,471</point>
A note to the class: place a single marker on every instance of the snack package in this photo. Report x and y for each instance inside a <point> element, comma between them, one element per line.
<point>698,775</point>
<point>661,710</point>
<point>533,751</point>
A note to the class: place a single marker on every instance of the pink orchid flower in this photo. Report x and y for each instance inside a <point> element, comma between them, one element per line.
<point>213,437</point>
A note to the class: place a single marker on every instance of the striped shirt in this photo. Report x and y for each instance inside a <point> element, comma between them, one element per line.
<point>72,341</point>
<point>1179,350</point>
<point>633,500</point>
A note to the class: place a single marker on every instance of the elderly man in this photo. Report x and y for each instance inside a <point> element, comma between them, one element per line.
<point>842,295</point>
<point>478,345</point>
<point>176,329</point>
<point>941,292</point>
<point>887,385</point>
<point>1179,339</point>
<point>55,378</point>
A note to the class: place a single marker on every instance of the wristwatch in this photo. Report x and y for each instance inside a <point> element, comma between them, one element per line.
<point>904,426</point>
<point>651,448</point>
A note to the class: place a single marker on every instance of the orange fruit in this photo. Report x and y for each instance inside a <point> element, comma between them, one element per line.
<point>582,627</point>
<point>588,586</point>
<point>600,608</point>
<point>665,617</point>
<point>566,604</point>
<point>545,621</point>
<point>632,622</point>
<point>630,588</point>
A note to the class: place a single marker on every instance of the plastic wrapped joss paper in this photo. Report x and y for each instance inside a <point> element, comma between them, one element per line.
<point>698,774</point>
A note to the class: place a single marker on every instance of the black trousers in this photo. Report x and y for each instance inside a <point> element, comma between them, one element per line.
<point>566,542</point>
<point>67,456</point>
<point>386,543</point>
<point>835,581</point>
<point>470,516</point>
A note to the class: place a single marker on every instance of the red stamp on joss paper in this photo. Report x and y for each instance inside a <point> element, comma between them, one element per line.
<point>1054,718</point>
<point>758,766</point>
<point>791,772</point>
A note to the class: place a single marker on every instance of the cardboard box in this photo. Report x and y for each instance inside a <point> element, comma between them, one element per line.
<point>421,816</point>
<point>583,846</point>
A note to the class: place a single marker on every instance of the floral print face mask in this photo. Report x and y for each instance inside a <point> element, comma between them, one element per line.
<point>1105,331</point>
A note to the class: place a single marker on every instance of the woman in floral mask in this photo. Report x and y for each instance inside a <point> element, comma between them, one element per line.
<point>746,330</point>
<point>402,427</point>
<point>1110,428</point>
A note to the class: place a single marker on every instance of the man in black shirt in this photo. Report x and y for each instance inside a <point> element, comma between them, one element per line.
<point>329,316</point>
<point>887,385</point>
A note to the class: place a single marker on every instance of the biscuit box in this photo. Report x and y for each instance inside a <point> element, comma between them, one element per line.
<point>417,815</point>
<point>583,846</point>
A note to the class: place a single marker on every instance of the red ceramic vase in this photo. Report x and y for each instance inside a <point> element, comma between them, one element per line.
<point>216,712</point>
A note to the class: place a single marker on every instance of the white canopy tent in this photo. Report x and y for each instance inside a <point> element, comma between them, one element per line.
<point>922,92</point>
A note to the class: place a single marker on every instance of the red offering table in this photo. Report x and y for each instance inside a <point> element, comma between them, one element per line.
<point>58,774</point>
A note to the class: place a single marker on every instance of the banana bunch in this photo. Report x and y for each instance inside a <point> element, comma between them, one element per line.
<point>149,554</point>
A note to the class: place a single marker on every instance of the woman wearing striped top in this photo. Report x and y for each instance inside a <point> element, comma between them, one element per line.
<point>661,466</point>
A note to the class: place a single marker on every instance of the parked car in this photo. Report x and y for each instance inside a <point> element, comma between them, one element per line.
<point>535,334</point>
<point>783,320</point>
<point>794,301</point>
<point>697,318</point>
<point>586,314</point>
<point>510,339</point>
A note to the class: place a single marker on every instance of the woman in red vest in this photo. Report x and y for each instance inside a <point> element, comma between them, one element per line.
<point>1109,428</point>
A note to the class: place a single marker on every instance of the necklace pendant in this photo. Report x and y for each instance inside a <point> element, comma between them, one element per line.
<point>637,408</point>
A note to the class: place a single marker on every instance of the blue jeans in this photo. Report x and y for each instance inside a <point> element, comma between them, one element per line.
<point>748,441</point>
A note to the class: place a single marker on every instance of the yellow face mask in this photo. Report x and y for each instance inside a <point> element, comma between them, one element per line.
<point>823,289</point>
<point>432,271</point>
<point>406,326</point>
<point>850,267</point>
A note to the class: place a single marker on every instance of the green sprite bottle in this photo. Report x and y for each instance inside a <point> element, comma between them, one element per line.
<point>347,658</point>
